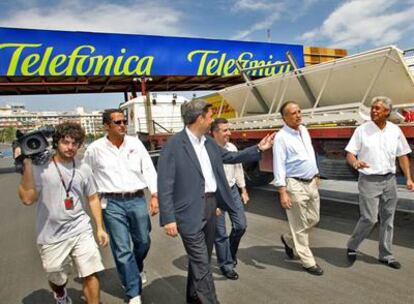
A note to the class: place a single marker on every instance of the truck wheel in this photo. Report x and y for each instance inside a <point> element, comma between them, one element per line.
<point>337,169</point>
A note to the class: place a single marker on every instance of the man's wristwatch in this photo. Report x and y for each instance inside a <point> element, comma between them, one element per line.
<point>258,148</point>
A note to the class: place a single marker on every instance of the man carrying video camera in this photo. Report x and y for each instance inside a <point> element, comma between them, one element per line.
<point>61,187</point>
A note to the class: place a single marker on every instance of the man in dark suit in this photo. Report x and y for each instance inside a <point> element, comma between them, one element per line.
<point>191,184</point>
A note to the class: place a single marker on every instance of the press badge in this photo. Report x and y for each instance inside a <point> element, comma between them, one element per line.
<point>68,203</point>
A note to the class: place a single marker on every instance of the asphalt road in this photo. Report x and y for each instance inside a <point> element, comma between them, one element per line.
<point>266,275</point>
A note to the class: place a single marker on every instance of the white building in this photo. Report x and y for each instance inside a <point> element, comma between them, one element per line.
<point>165,112</point>
<point>17,116</point>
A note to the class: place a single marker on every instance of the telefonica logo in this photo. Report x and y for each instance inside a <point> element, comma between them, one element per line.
<point>81,61</point>
<point>34,59</point>
<point>214,62</point>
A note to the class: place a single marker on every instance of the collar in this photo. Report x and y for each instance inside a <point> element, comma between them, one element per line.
<point>291,130</point>
<point>110,144</point>
<point>377,128</point>
<point>193,138</point>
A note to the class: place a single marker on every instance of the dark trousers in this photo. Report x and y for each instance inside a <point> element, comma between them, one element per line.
<point>200,284</point>
<point>226,247</point>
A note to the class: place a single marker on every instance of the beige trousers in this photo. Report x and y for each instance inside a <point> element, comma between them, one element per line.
<point>302,216</point>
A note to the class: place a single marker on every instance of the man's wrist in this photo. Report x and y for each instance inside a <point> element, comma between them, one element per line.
<point>258,148</point>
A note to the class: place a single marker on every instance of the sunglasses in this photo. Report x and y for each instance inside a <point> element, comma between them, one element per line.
<point>119,122</point>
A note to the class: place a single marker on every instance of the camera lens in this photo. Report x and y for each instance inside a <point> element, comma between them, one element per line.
<point>33,143</point>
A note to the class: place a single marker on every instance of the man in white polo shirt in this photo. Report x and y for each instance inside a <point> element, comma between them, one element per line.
<point>372,151</point>
<point>122,168</point>
<point>297,181</point>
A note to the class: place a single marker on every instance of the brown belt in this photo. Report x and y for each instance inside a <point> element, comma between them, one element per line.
<point>124,195</point>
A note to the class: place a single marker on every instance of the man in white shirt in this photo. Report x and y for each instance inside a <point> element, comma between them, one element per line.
<point>296,177</point>
<point>122,169</point>
<point>226,247</point>
<point>372,151</point>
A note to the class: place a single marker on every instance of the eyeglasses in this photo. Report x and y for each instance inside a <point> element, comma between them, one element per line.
<point>119,122</point>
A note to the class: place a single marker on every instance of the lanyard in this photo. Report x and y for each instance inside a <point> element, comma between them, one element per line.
<point>67,189</point>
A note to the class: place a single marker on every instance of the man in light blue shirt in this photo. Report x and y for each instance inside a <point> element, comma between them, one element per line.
<point>296,177</point>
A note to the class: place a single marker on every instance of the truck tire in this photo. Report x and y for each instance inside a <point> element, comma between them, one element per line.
<point>337,169</point>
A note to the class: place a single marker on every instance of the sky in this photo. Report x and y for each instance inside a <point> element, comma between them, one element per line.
<point>356,25</point>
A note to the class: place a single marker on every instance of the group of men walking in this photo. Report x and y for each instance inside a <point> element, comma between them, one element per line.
<point>200,179</point>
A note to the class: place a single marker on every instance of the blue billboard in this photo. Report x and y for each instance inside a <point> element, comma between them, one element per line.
<point>27,52</point>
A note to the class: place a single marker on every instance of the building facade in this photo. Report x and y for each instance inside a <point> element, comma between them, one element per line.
<point>17,116</point>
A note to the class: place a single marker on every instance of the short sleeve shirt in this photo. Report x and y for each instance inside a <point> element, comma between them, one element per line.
<point>53,222</point>
<point>378,148</point>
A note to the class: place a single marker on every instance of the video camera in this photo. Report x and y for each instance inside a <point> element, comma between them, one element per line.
<point>33,145</point>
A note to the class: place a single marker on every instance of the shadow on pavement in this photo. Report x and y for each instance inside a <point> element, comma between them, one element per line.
<point>260,256</point>
<point>109,282</point>
<point>169,290</point>
<point>334,216</point>
<point>44,296</point>
<point>159,291</point>
<point>337,256</point>
<point>7,170</point>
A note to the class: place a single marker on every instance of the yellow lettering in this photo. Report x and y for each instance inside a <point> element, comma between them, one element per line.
<point>45,60</point>
<point>211,64</point>
<point>202,62</point>
<point>244,61</point>
<point>127,71</point>
<point>75,55</point>
<point>11,71</point>
<point>228,66</point>
<point>81,62</point>
<point>100,61</point>
<point>29,62</point>
<point>145,65</point>
<point>55,63</point>
<point>117,67</point>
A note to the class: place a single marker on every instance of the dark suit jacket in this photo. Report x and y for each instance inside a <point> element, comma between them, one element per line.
<point>181,182</point>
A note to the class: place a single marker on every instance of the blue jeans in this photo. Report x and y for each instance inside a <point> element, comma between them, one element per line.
<point>226,247</point>
<point>126,221</point>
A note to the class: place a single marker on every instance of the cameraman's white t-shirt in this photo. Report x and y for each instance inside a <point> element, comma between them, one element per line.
<point>53,222</point>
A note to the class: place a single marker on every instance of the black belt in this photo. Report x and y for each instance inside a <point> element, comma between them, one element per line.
<point>209,194</point>
<point>383,175</point>
<point>389,174</point>
<point>304,180</point>
<point>123,195</point>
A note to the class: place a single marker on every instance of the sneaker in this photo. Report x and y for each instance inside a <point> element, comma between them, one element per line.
<point>63,300</point>
<point>144,279</point>
<point>135,300</point>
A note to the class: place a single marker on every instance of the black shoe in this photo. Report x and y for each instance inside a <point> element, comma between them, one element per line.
<point>231,274</point>
<point>351,255</point>
<point>288,250</point>
<point>194,300</point>
<point>393,263</point>
<point>315,270</point>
